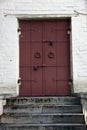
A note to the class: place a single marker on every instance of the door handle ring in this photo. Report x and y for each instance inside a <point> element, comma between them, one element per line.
<point>37,55</point>
<point>51,55</point>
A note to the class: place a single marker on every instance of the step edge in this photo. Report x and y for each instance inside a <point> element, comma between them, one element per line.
<point>47,114</point>
<point>44,124</point>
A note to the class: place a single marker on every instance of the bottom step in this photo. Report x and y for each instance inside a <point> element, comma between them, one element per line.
<point>44,127</point>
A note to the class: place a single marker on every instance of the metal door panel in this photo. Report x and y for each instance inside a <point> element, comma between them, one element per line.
<point>63,74</point>
<point>36,31</point>
<point>44,58</point>
<point>25,35</point>
<point>36,82</point>
<point>63,54</point>
<point>63,88</point>
<point>62,24</point>
<point>49,31</point>
<point>25,73</point>
<point>62,30</point>
<point>24,30</point>
<point>25,89</point>
<point>50,85</point>
<point>24,54</point>
<point>62,35</point>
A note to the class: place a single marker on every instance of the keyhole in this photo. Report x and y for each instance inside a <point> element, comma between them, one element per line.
<point>50,43</point>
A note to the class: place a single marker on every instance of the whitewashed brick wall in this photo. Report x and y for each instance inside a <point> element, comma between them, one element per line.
<point>10,10</point>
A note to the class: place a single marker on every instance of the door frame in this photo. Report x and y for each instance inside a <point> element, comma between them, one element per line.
<point>70,33</point>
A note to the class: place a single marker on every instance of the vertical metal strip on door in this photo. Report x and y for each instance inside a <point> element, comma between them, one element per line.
<point>36,58</point>
<point>50,57</point>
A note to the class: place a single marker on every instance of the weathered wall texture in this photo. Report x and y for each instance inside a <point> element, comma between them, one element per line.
<point>10,10</point>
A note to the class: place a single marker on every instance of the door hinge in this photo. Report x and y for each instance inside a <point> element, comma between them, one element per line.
<point>69,30</point>
<point>19,31</point>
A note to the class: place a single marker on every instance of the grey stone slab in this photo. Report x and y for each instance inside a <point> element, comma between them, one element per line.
<point>45,127</point>
<point>44,100</point>
<point>42,118</point>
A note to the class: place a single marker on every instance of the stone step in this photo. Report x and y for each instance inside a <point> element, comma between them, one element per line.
<point>43,108</point>
<point>44,100</point>
<point>43,127</point>
<point>43,113</point>
<point>42,118</point>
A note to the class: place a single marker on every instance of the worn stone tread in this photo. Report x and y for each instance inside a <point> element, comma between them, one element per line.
<point>44,114</point>
<point>54,124</point>
<point>42,105</point>
<point>29,100</point>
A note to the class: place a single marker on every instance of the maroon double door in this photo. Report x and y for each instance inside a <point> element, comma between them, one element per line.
<point>44,58</point>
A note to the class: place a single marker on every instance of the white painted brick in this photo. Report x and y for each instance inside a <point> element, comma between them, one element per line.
<point>83,73</point>
<point>22,6</point>
<point>58,7</point>
<point>40,6</point>
<point>24,1</point>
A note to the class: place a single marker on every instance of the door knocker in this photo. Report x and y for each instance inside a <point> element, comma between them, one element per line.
<point>51,55</point>
<point>37,55</point>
